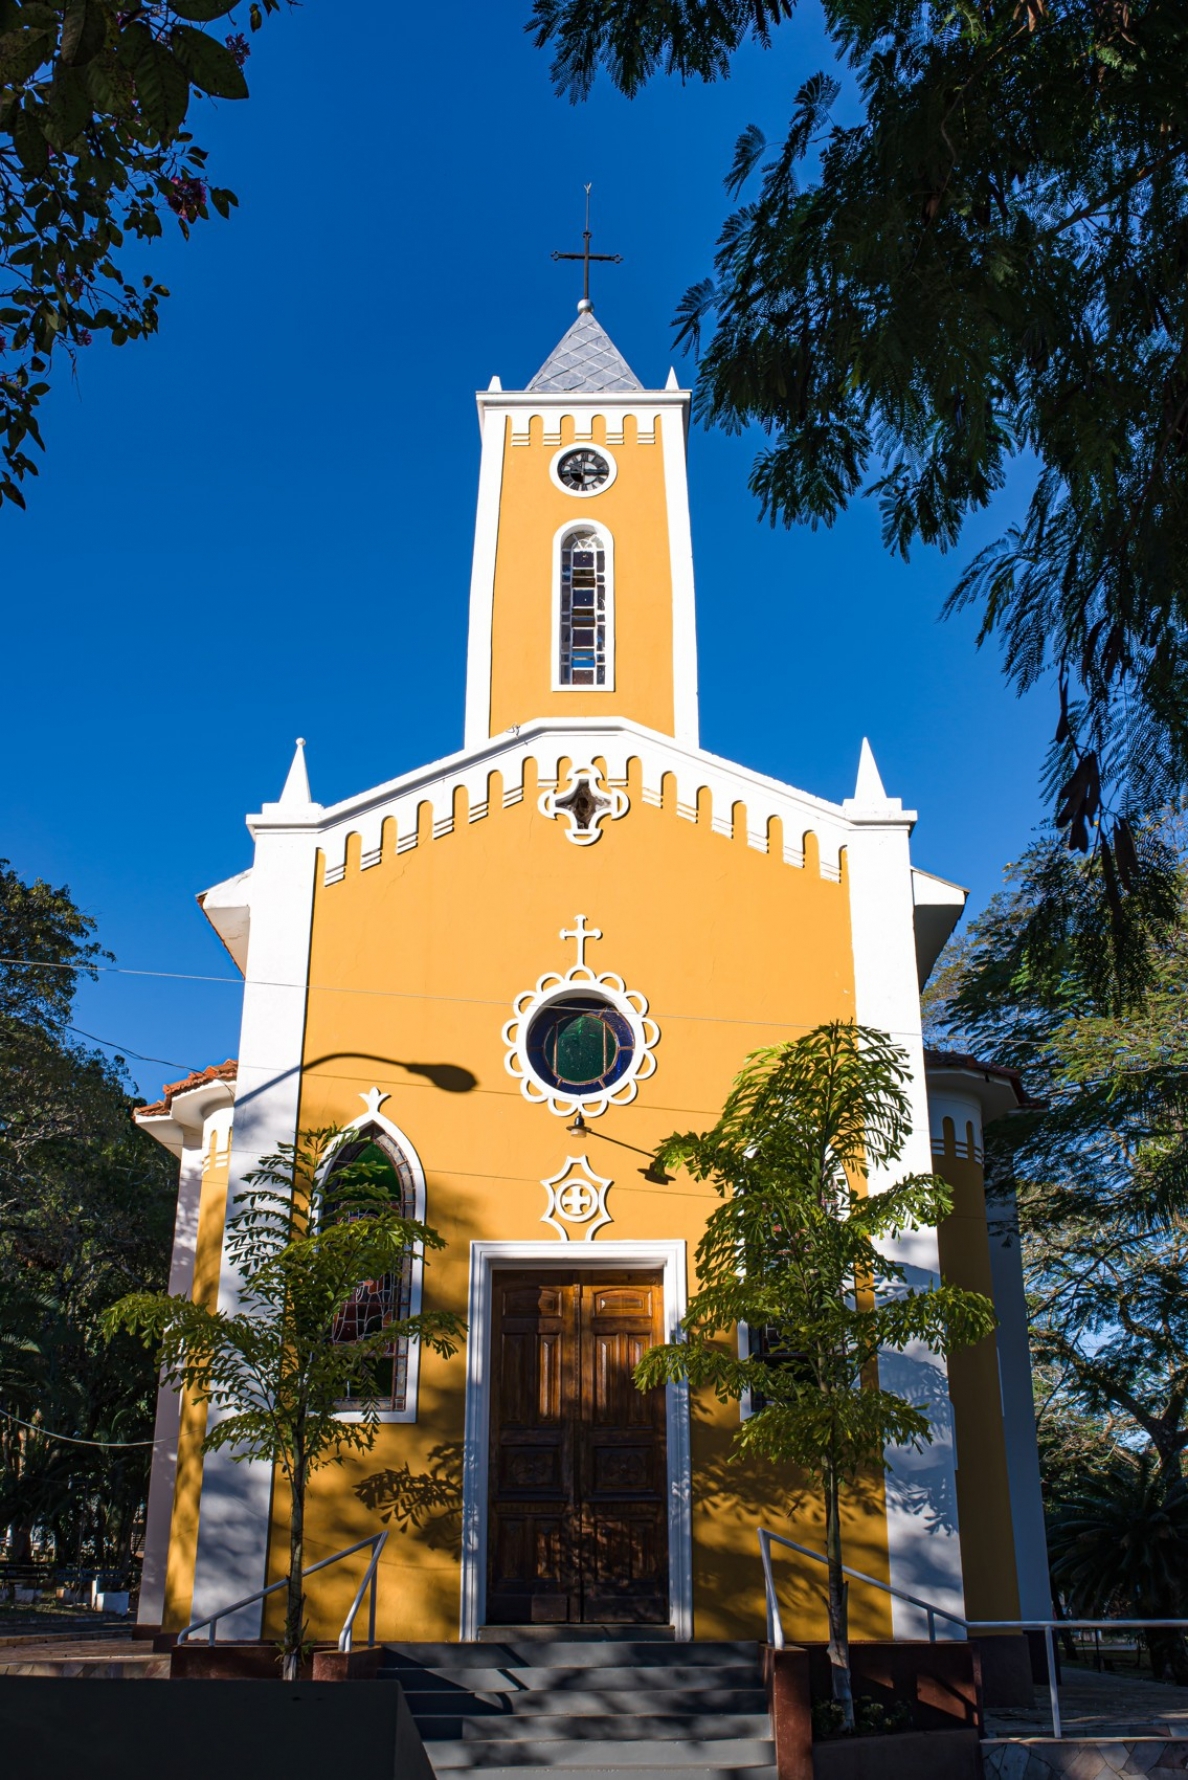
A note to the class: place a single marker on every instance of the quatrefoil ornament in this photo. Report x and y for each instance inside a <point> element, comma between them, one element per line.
<point>584,804</point>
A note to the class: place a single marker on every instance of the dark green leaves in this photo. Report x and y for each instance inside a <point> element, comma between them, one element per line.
<point>209,64</point>
<point>990,265</point>
<point>202,11</point>
<point>632,39</point>
<point>94,97</point>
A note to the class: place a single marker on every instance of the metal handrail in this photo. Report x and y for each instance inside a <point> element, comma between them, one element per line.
<point>775,1629</point>
<point>377,1542</point>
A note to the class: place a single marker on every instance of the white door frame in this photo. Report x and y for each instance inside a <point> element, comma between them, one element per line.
<point>669,1257</point>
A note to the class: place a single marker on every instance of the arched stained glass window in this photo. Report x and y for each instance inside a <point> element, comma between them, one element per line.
<point>377,1302</point>
<point>583,635</point>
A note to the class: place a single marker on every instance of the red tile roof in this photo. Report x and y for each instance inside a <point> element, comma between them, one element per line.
<point>960,1060</point>
<point>217,1072</point>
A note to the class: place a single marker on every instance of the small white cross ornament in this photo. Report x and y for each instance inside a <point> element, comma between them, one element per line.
<point>577,1196</point>
<point>577,1200</point>
<point>581,933</point>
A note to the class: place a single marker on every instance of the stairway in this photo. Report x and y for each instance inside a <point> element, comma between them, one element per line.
<point>588,1708</point>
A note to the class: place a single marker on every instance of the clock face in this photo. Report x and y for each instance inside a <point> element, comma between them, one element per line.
<point>584,471</point>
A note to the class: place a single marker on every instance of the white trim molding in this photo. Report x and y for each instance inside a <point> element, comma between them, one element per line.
<point>482,579</point>
<point>604,540</point>
<point>485,1257</point>
<point>373,1119</point>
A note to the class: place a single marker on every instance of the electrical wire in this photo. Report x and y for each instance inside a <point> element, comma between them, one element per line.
<point>176,976</point>
<point>73,1440</point>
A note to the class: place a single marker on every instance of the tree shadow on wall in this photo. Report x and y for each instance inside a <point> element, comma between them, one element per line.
<point>428,1502</point>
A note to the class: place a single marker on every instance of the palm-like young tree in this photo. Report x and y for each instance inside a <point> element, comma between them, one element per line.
<point>307,1235</point>
<point>1119,1545</point>
<point>795,1249</point>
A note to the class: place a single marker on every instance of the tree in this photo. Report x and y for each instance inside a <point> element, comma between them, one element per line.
<point>988,266</point>
<point>1118,1544</point>
<point>310,1229</point>
<point>794,1250</point>
<point>1098,1169</point>
<point>86,1214</point>
<point>94,96</point>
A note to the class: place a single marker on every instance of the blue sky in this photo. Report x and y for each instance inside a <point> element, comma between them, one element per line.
<point>258,525</point>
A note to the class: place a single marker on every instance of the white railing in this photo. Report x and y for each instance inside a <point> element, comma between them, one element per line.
<point>775,1629</point>
<point>1049,1627</point>
<point>346,1635</point>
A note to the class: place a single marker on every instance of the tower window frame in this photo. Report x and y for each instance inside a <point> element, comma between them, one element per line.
<point>583,590</point>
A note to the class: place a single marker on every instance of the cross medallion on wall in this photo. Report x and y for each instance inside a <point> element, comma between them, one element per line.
<point>577,1199</point>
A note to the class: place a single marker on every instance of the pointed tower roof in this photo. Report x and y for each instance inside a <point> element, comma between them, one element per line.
<point>296,793</point>
<point>586,359</point>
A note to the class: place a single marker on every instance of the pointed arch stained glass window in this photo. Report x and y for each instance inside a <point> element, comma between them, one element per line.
<point>583,616</point>
<point>377,1302</point>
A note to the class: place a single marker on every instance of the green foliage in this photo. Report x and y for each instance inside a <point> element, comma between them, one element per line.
<point>86,1214</point>
<point>306,1233</point>
<point>94,96</point>
<point>796,1250</point>
<point>989,265</point>
<point>1118,1544</point>
<point>1096,1177</point>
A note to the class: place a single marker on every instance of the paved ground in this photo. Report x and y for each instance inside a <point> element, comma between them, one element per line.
<point>1099,1706</point>
<point>113,1657</point>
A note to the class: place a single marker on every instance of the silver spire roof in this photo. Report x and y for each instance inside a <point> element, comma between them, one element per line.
<point>586,359</point>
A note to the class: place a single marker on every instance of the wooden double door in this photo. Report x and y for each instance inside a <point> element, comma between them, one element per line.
<point>577,1513</point>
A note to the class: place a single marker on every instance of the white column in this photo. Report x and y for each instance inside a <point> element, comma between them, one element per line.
<point>686,723</point>
<point>482,577</point>
<point>1018,1408</point>
<point>923,1544</point>
<point>236,1497</point>
<point>162,1478</point>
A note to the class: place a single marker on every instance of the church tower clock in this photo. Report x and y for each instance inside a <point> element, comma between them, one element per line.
<point>581,600</point>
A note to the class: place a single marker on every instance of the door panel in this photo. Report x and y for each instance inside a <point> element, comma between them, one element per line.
<point>578,1524</point>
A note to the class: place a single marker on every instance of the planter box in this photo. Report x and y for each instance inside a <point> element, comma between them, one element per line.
<point>1007,1672</point>
<point>258,1661</point>
<point>231,1729</point>
<point>901,1755</point>
<point>939,1683</point>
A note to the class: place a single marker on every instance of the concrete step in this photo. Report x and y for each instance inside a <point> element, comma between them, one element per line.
<point>656,1727</point>
<point>568,1654</point>
<point>761,1771</point>
<point>513,1679</point>
<point>684,1755</point>
<point>528,1703</point>
<point>584,1634</point>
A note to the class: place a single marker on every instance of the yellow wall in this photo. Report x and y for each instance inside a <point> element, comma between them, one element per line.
<point>983,1487</point>
<point>633,509</point>
<point>415,962</point>
<point>187,1488</point>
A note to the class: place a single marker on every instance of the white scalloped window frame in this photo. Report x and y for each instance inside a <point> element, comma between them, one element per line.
<point>554,987</point>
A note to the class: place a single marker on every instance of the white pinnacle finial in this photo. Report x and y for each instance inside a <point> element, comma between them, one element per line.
<point>869,787</point>
<point>296,791</point>
<point>672,378</point>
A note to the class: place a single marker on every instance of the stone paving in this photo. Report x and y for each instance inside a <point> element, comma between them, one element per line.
<point>1093,1706</point>
<point>83,1659</point>
<point>1114,1727</point>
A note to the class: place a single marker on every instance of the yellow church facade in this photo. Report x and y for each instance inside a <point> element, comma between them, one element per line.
<point>514,972</point>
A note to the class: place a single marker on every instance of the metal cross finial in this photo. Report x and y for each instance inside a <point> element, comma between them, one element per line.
<point>581,933</point>
<point>585,307</point>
